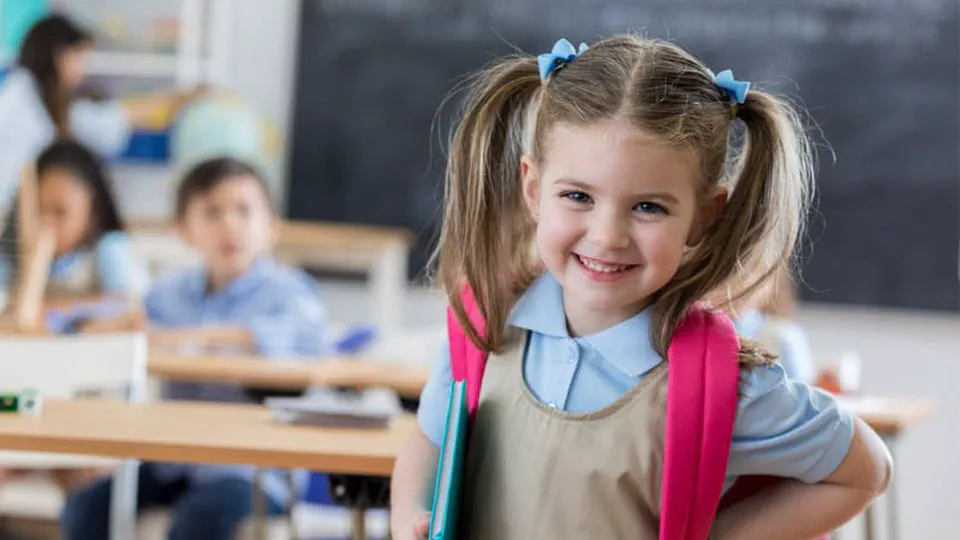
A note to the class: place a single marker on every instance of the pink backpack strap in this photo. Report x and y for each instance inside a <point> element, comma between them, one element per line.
<point>467,361</point>
<point>701,409</point>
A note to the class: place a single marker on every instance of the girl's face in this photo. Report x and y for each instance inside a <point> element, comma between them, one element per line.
<point>72,65</point>
<point>66,204</point>
<point>614,209</point>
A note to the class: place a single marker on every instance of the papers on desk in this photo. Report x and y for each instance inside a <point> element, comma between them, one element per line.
<point>370,409</point>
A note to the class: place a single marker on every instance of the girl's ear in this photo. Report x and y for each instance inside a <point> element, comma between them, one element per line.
<point>709,212</point>
<point>530,176</point>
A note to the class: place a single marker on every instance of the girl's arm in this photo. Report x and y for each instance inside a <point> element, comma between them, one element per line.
<point>413,476</point>
<point>795,510</point>
<point>106,125</point>
<point>415,470</point>
<point>156,109</point>
<point>33,281</point>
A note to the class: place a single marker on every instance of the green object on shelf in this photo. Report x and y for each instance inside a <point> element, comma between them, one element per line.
<point>16,19</point>
<point>9,402</point>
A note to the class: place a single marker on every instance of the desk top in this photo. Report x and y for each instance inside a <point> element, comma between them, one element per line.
<point>307,234</point>
<point>246,434</point>
<point>890,416</point>
<point>201,433</point>
<point>887,416</point>
<point>407,380</point>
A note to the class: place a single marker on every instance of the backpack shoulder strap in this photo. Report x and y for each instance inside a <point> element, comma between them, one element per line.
<point>467,362</point>
<point>701,409</point>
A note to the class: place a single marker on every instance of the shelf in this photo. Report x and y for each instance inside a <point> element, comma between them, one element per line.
<point>121,64</point>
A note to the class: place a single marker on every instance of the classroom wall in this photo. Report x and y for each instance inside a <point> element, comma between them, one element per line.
<point>259,67</point>
<point>910,354</point>
<point>905,353</point>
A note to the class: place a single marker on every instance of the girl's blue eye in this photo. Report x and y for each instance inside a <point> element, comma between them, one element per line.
<point>577,197</point>
<point>650,208</point>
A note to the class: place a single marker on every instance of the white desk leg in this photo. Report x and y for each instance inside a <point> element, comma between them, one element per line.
<point>893,503</point>
<point>123,501</point>
<point>388,284</point>
<point>869,528</point>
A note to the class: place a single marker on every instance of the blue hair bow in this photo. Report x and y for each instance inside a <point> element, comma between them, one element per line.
<point>562,54</point>
<point>737,90</point>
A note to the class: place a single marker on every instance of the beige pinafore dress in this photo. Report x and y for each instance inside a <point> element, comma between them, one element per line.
<point>535,472</point>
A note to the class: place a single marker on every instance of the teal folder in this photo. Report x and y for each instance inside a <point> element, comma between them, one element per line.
<point>448,491</point>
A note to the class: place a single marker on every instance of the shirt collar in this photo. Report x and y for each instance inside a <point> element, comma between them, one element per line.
<point>625,345</point>
<point>540,308</point>
<point>240,286</point>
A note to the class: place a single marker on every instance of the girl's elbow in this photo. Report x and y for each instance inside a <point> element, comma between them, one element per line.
<point>884,472</point>
<point>881,463</point>
<point>868,466</point>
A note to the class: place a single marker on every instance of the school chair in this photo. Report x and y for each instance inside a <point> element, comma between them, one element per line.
<point>69,368</point>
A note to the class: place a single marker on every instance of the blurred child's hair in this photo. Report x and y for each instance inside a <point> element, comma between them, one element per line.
<point>778,297</point>
<point>39,55</point>
<point>87,168</point>
<point>207,175</point>
<point>487,235</point>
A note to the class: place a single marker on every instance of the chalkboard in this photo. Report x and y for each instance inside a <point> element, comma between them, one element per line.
<point>878,77</point>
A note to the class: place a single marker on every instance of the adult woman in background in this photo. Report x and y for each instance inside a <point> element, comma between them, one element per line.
<point>40,102</point>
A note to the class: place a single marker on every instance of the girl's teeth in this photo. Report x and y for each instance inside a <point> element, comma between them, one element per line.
<point>600,267</point>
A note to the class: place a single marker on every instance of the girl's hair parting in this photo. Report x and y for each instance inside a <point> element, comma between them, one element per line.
<point>40,53</point>
<point>86,167</point>
<point>486,240</point>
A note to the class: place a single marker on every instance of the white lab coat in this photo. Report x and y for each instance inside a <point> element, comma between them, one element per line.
<point>26,129</point>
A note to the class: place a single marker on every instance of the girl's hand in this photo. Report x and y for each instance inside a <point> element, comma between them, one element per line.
<point>413,528</point>
<point>421,526</point>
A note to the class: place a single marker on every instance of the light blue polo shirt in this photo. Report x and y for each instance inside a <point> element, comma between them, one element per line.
<point>281,308</point>
<point>783,427</point>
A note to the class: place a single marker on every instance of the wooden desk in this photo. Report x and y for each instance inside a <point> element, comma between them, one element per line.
<point>407,380</point>
<point>201,433</point>
<point>196,433</point>
<point>380,252</point>
<point>889,417</point>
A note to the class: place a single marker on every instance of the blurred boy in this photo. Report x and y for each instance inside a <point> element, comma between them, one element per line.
<point>239,299</point>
